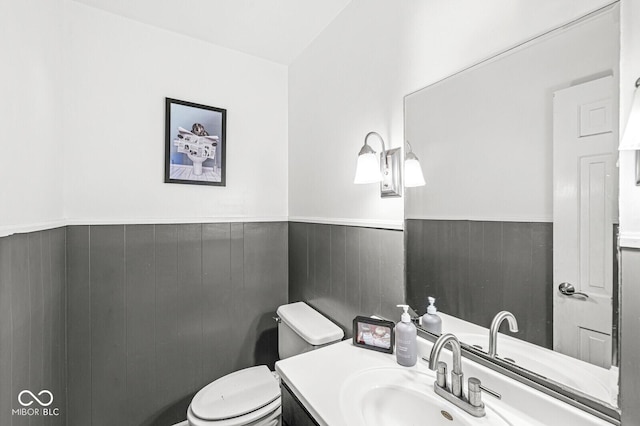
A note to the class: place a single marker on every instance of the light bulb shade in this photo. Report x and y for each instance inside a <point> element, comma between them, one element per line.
<point>413,173</point>
<point>631,137</point>
<point>367,169</point>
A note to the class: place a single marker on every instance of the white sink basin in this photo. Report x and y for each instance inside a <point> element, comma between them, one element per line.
<point>402,397</point>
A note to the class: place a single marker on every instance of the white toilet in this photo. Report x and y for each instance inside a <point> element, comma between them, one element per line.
<point>251,397</point>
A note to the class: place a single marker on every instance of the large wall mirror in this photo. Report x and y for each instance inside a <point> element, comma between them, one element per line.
<point>519,154</point>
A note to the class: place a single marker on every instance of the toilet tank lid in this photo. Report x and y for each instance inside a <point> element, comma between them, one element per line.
<point>309,324</point>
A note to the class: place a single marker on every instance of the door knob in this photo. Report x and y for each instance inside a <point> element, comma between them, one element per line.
<point>569,290</point>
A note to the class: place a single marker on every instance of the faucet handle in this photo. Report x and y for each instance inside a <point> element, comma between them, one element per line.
<point>491,392</point>
<point>475,394</point>
<point>441,374</point>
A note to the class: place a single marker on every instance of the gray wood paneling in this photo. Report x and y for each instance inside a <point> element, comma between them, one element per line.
<point>370,287</point>
<point>415,281</point>
<point>322,265</point>
<point>338,257</point>
<point>190,304</point>
<point>519,285</point>
<point>41,262</point>
<point>170,308</point>
<point>218,300</point>
<point>486,253</point>
<point>542,272</point>
<point>37,324</point>
<point>391,274</point>
<point>48,307</point>
<point>353,306</point>
<point>265,288</point>
<point>140,310</point>
<point>237,291</point>
<point>21,318</point>
<point>629,342</point>
<point>168,350</point>
<point>32,332</point>
<point>298,262</point>
<point>79,325</point>
<point>355,271</point>
<point>58,324</point>
<point>108,326</point>
<point>6,332</point>
<point>476,269</point>
<point>311,259</point>
<point>457,258</point>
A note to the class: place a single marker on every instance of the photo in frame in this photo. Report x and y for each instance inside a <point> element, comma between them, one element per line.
<point>195,143</point>
<point>374,334</point>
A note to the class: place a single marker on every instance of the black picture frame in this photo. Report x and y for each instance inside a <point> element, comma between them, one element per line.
<point>378,340</point>
<point>195,143</point>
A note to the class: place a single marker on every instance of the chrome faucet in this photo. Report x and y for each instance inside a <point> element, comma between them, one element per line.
<point>473,403</point>
<point>495,326</point>
<point>441,367</point>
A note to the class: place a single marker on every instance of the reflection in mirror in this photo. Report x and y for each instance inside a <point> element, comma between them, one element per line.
<point>519,155</point>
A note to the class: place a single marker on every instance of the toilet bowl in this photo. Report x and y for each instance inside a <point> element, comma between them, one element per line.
<point>197,163</point>
<point>251,397</point>
<point>198,148</point>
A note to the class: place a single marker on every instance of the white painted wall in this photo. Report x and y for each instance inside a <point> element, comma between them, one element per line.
<point>629,73</point>
<point>353,77</point>
<point>30,115</point>
<point>119,72</point>
<point>485,136</point>
<point>110,91</point>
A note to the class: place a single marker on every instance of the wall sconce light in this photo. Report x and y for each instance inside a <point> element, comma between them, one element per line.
<point>412,170</point>
<point>631,138</point>
<point>387,171</point>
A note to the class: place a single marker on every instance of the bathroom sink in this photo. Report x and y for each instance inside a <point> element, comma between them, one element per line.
<point>402,397</point>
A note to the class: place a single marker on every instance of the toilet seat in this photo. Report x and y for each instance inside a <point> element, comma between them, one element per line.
<point>239,398</point>
<point>268,415</point>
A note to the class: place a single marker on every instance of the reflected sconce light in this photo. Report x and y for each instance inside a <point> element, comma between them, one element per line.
<point>631,137</point>
<point>386,171</point>
<point>412,170</point>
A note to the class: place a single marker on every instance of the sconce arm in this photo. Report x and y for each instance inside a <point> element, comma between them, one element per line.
<point>384,149</point>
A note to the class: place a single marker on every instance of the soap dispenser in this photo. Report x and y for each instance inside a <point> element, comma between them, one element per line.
<point>406,339</point>
<point>431,321</point>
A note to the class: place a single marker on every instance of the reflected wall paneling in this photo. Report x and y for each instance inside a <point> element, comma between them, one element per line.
<point>495,263</point>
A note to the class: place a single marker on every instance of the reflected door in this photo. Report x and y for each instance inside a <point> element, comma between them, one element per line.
<point>584,211</point>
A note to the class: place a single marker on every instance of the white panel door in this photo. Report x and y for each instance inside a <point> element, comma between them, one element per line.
<point>584,211</point>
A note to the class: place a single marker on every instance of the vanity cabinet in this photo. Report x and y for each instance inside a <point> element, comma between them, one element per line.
<point>293,412</point>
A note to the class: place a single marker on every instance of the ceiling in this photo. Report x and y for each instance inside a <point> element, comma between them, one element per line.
<point>276,30</point>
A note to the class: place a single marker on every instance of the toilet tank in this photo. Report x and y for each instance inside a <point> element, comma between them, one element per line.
<point>301,329</point>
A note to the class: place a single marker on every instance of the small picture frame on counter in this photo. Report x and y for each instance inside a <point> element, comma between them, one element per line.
<point>374,334</point>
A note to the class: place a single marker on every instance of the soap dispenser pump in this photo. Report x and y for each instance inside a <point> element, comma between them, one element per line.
<point>406,339</point>
<point>431,321</point>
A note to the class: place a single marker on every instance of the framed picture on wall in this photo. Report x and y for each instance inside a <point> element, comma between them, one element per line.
<point>195,143</point>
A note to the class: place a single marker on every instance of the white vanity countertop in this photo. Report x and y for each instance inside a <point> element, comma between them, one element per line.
<point>316,378</point>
